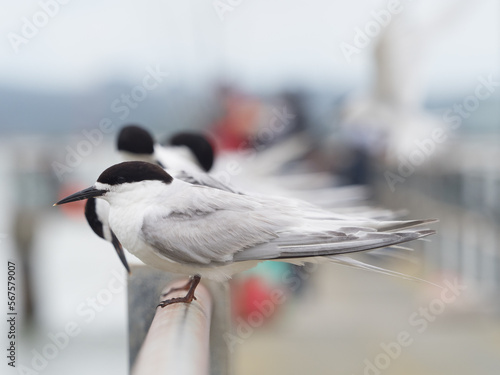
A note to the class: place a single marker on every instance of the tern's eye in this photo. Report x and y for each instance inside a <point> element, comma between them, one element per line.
<point>120,180</point>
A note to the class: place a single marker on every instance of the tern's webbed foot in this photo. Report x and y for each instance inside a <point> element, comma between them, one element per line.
<point>190,286</point>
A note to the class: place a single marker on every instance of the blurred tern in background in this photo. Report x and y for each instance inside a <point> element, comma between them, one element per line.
<point>197,230</point>
<point>190,156</point>
<point>389,119</point>
<point>187,156</point>
<point>183,151</point>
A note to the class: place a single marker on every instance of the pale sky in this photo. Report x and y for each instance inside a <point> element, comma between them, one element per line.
<point>260,43</point>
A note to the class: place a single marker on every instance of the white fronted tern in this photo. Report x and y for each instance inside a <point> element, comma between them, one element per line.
<point>197,230</point>
<point>188,157</point>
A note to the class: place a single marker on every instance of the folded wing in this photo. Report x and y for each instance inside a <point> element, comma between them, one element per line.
<point>221,227</point>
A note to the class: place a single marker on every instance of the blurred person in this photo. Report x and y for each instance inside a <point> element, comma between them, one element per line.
<point>283,117</point>
<point>238,119</point>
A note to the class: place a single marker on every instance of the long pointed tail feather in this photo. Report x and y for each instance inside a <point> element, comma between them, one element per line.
<point>353,263</point>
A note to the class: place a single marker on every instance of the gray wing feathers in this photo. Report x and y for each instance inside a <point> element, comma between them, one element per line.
<point>311,245</point>
<point>223,227</point>
<point>368,242</point>
<point>208,234</point>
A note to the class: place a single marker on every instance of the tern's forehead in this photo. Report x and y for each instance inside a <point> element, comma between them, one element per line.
<point>133,171</point>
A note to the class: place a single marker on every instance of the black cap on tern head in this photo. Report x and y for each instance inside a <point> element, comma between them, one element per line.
<point>199,145</point>
<point>133,171</point>
<point>129,171</point>
<point>136,140</point>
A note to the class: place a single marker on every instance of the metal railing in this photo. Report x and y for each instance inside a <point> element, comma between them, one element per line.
<point>180,338</point>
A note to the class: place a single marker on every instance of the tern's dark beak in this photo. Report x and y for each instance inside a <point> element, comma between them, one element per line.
<point>119,251</point>
<point>90,192</point>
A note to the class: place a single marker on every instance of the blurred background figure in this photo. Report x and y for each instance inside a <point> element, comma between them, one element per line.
<point>237,119</point>
<point>34,187</point>
<point>386,122</point>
